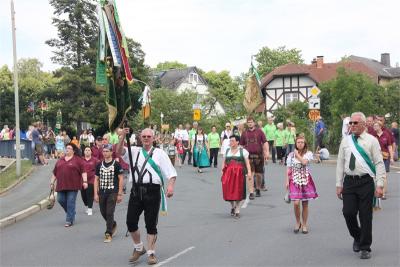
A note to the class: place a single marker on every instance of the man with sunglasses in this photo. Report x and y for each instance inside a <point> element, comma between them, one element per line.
<point>150,167</point>
<point>359,167</point>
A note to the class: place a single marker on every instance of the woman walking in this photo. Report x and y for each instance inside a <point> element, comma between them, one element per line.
<point>199,150</point>
<point>90,167</point>
<point>70,175</point>
<point>235,169</point>
<point>300,183</point>
<point>384,140</point>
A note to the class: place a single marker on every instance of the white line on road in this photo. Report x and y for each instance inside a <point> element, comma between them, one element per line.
<point>174,257</point>
<point>246,202</point>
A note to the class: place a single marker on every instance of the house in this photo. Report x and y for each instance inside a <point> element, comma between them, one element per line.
<point>292,82</point>
<point>184,79</point>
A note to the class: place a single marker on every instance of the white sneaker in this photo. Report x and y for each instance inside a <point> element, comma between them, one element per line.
<point>90,212</point>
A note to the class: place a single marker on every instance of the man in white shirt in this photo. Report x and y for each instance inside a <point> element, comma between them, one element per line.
<point>359,167</point>
<point>345,126</point>
<point>150,166</point>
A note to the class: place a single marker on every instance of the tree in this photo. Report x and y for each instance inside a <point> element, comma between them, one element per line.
<point>226,91</point>
<point>76,23</point>
<point>268,59</point>
<point>347,93</point>
<point>167,65</point>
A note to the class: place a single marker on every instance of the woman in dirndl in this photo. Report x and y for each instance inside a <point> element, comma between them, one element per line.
<point>299,182</point>
<point>200,150</point>
<point>235,169</point>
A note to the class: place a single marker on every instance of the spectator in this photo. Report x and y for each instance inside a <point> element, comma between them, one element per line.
<point>323,154</point>
<point>395,133</point>
<point>320,131</point>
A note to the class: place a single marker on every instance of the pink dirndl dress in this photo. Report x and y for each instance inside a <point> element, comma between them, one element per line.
<point>301,184</point>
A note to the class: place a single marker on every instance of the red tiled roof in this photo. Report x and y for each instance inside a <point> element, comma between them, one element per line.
<point>326,73</point>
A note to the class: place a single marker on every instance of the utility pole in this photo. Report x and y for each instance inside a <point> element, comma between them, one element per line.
<point>17,130</point>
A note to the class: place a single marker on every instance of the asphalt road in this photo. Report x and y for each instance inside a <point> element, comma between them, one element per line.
<point>199,231</point>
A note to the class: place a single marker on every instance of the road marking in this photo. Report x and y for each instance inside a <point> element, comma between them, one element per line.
<point>246,202</point>
<point>174,257</point>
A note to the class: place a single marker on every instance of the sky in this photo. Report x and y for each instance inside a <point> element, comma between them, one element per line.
<point>223,34</point>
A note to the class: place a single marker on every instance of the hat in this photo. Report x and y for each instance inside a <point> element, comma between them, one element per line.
<point>227,124</point>
<point>99,138</point>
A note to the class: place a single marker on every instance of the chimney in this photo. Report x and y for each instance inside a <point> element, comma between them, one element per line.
<point>320,62</point>
<point>314,61</point>
<point>385,59</point>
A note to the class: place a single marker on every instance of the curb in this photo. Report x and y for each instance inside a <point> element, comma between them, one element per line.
<point>23,177</point>
<point>19,216</point>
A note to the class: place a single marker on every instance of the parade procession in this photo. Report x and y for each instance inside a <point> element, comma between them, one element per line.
<point>187,133</point>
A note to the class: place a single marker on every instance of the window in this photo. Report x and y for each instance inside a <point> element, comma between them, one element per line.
<point>193,77</point>
<point>290,97</point>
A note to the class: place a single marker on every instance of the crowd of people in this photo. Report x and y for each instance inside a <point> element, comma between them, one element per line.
<point>101,167</point>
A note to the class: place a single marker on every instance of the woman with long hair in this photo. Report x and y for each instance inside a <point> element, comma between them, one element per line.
<point>200,150</point>
<point>299,182</point>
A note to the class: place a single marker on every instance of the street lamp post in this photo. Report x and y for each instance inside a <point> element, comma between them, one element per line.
<point>17,130</point>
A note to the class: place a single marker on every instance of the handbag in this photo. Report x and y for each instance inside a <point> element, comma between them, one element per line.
<point>51,199</point>
<point>286,198</point>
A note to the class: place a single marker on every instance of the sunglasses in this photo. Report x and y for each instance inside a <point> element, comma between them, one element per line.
<point>353,122</point>
<point>146,136</point>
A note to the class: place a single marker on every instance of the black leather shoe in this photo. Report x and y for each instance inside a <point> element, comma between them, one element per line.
<point>258,194</point>
<point>356,246</point>
<point>251,196</point>
<point>365,254</point>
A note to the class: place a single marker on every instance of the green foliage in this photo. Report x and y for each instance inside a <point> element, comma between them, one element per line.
<point>177,108</point>
<point>167,65</point>
<point>350,92</point>
<point>226,91</point>
<point>296,112</point>
<point>76,23</point>
<point>269,59</point>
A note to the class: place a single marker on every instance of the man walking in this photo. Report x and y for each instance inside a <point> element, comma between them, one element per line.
<point>108,189</point>
<point>151,167</point>
<point>254,141</point>
<point>214,142</point>
<point>319,132</point>
<point>359,163</point>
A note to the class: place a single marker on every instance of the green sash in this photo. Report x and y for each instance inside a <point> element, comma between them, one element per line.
<point>364,155</point>
<point>158,171</point>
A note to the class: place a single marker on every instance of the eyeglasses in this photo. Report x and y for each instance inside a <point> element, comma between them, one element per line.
<point>353,122</point>
<point>146,136</point>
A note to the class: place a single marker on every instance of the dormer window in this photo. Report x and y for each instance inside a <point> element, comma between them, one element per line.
<point>193,77</point>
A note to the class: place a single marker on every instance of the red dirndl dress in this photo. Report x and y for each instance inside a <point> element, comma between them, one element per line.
<point>233,178</point>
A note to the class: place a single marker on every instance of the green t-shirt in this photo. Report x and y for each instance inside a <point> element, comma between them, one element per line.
<point>290,136</point>
<point>214,140</point>
<point>114,138</point>
<point>269,131</point>
<point>192,132</point>
<point>280,138</point>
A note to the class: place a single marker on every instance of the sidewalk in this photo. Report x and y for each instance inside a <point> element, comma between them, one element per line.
<point>29,192</point>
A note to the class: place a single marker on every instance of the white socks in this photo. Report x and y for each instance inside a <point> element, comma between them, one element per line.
<point>138,247</point>
<point>149,252</point>
<point>89,212</point>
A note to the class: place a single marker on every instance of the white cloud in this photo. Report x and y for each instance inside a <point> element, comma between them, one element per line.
<point>218,35</point>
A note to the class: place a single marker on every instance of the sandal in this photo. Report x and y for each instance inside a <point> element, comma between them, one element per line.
<point>237,215</point>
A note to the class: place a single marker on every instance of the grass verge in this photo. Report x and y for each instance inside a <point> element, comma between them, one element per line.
<point>9,176</point>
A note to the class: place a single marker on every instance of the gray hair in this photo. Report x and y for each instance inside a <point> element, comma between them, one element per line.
<point>362,116</point>
<point>148,130</point>
<point>279,125</point>
<point>195,123</point>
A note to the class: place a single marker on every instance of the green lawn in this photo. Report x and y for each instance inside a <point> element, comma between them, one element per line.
<point>9,176</point>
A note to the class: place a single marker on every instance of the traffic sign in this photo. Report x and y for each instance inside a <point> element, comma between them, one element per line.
<point>314,103</point>
<point>313,114</point>
<point>196,114</point>
<point>315,91</point>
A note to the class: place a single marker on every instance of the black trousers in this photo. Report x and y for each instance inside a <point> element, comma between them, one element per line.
<point>145,198</point>
<point>88,195</point>
<point>214,156</point>
<point>186,151</point>
<point>107,202</point>
<point>272,150</point>
<point>358,199</point>
<point>280,152</point>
